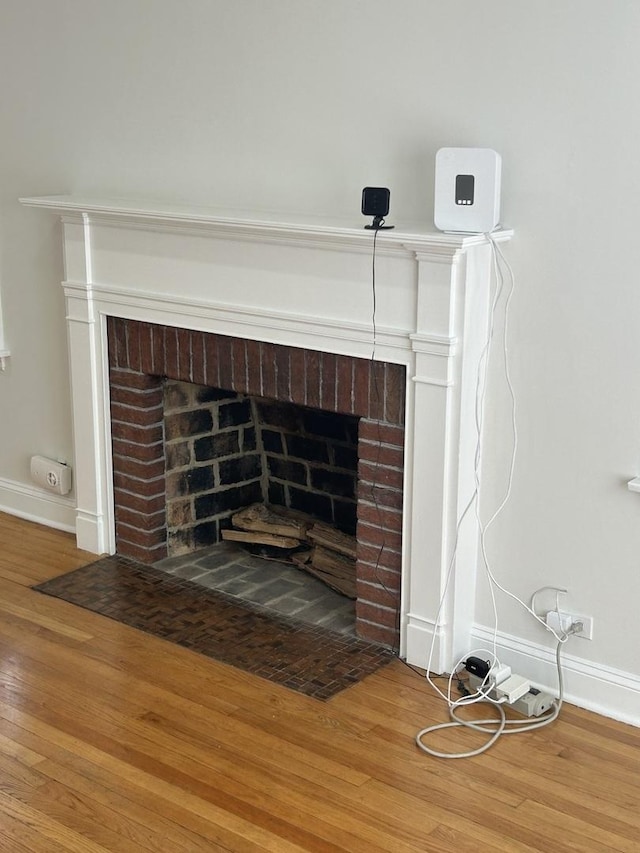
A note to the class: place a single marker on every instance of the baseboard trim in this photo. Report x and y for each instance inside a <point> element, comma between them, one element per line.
<point>33,504</point>
<point>605,690</point>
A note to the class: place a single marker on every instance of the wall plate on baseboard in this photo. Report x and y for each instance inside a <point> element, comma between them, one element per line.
<point>51,475</point>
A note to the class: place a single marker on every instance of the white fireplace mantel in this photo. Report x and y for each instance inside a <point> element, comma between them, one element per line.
<point>301,283</point>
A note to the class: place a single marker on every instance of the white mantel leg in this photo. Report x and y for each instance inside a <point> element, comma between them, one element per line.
<point>440,590</point>
<point>90,396</point>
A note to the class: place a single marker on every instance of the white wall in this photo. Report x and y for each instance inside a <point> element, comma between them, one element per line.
<point>296,105</point>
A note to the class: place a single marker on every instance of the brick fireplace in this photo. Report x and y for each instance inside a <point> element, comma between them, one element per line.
<point>142,355</point>
<point>274,291</point>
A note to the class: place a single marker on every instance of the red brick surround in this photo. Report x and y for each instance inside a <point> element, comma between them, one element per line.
<point>142,354</point>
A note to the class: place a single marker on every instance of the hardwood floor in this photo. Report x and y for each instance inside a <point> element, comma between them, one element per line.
<point>113,740</point>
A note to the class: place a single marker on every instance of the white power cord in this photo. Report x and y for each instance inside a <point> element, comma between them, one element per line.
<point>494,727</point>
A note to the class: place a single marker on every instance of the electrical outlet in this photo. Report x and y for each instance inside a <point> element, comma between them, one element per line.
<point>51,475</point>
<point>561,621</point>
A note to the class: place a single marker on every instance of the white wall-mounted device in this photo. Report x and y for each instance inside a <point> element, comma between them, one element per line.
<point>52,475</point>
<point>467,190</point>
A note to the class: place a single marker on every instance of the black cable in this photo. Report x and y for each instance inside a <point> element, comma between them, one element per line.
<point>392,596</point>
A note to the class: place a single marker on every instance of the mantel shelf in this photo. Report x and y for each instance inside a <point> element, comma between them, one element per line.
<point>263,225</point>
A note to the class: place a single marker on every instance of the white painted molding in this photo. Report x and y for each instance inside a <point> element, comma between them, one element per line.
<point>268,324</point>
<point>267,226</point>
<point>33,504</point>
<point>602,689</point>
<point>4,358</point>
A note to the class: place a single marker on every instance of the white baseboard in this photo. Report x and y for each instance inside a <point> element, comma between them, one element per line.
<point>33,504</point>
<point>603,689</point>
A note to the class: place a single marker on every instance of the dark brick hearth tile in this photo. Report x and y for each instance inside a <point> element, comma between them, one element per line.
<point>311,660</point>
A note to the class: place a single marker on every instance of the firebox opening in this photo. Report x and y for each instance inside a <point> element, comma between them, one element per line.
<point>225,451</point>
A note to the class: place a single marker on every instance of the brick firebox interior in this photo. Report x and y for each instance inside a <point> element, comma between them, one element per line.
<point>143,355</point>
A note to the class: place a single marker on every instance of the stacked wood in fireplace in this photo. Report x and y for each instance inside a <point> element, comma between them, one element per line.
<point>313,546</point>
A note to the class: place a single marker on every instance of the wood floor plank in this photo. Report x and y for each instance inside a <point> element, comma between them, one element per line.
<point>48,826</point>
<point>129,792</point>
<point>111,739</point>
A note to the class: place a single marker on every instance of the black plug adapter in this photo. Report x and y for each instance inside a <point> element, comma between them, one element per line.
<point>477,666</point>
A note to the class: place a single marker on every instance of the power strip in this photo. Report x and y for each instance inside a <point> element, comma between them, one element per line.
<point>532,704</point>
